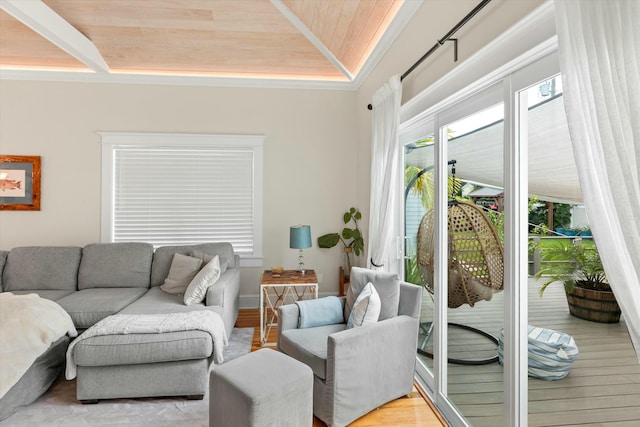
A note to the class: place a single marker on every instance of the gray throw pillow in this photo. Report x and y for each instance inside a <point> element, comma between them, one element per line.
<point>183,270</point>
<point>206,258</point>
<point>387,285</point>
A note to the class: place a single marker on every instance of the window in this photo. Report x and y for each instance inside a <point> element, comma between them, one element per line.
<point>179,189</point>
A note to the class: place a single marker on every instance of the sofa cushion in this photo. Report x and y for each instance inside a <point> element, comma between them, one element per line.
<point>387,285</point>
<point>155,301</point>
<point>3,258</point>
<point>42,268</point>
<point>47,294</point>
<point>309,346</point>
<point>207,277</point>
<point>183,270</point>
<point>115,265</point>
<point>206,258</point>
<point>131,349</point>
<point>88,306</point>
<point>164,255</point>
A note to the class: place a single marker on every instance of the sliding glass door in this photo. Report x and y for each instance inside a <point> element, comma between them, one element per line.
<point>465,204</point>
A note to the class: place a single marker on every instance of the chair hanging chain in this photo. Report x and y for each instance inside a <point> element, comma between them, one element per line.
<point>452,199</point>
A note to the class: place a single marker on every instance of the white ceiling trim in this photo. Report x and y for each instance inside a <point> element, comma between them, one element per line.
<point>44,21</point>
<point>300,26</point>
<point>177,80</point>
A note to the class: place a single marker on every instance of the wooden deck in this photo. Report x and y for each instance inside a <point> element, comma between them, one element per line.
<point>602,389</point>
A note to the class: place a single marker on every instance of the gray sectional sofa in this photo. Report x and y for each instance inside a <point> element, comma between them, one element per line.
<point>102,279</point>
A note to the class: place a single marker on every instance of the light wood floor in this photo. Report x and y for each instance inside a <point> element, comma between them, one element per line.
<point>405,412</point>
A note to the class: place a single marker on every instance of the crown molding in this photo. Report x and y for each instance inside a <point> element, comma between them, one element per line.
<point>175,80</point>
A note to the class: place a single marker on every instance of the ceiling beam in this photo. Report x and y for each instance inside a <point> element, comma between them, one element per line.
<point>44,21</point>
<point>300,26</point>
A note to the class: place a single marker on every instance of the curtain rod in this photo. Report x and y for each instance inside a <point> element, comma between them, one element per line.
<point>443,40</point>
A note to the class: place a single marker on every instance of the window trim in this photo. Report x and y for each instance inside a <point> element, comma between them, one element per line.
<point>110,140</point>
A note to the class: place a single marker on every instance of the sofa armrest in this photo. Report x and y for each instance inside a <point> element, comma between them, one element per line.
<point>373,364</point>
<point>225,293</point>
<point>217,293</point>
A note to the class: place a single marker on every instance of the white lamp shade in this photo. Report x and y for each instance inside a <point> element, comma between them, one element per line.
<point>300,237</point>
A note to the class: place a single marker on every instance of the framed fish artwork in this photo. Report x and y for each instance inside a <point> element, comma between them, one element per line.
<point>19,183</point>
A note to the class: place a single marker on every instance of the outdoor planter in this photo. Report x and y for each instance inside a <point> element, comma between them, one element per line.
<point>581,272</point>
<point>596,306</point>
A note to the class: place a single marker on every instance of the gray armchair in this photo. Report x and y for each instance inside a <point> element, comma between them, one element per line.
<point>357,370</point>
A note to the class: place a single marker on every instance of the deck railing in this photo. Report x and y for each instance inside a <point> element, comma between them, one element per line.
<point>535,257</point>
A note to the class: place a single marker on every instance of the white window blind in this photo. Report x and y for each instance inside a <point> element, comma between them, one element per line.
<point>183,189</point>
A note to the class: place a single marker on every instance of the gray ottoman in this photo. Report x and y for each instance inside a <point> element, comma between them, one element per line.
<point>263,388</point>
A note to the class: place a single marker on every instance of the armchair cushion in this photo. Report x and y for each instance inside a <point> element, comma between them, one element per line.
<point>387,285</point>
<point>309,345</point>
<point>366,309</point>
<point>320,312</point>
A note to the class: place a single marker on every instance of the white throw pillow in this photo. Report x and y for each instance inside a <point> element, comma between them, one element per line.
<point>366,309</point>
<point>197,289</point>
<point>182,271</point>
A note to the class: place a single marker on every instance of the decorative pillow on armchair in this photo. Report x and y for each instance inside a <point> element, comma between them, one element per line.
<point>320,312</point>
<point>366,309</point>
<point>387,285</point>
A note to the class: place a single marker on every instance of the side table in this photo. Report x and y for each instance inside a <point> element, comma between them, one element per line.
<point>278,289</point>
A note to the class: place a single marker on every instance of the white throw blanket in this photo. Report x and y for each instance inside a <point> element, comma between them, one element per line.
<point>119,324</point>
<point>28,326</point>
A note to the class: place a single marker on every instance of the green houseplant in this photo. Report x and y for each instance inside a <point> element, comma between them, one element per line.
<point>351,239</point>
<point>579,268</point>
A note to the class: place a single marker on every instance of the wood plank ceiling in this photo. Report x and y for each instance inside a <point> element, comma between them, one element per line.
<point>293,39</point>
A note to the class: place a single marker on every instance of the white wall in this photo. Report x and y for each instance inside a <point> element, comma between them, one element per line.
<point>309,174</point>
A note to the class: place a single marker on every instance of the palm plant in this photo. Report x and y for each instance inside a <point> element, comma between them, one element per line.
<point>575,265</point>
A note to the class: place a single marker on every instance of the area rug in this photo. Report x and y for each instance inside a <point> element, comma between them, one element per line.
<point>59,407</point>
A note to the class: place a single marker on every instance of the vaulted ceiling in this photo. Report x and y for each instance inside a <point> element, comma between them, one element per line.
<point>308,40</point>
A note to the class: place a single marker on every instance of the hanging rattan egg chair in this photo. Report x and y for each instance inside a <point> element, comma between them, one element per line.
<point>476,265</point>
<point>476,268</point>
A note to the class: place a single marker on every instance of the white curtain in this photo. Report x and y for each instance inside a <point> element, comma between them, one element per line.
<point>599,47</point>
<point>385,174</point>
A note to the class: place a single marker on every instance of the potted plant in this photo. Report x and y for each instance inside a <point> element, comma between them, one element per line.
<point>351,239</point>
<point>579,268</point>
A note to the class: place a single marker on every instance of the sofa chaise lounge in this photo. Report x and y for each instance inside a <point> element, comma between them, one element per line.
<point>93,282</point>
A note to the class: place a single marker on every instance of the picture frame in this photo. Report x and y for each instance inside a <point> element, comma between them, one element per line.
<point>19,183</point>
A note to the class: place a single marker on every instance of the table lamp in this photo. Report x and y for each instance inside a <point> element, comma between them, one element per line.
<point>300,238</point>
